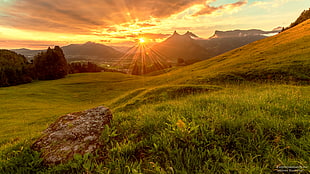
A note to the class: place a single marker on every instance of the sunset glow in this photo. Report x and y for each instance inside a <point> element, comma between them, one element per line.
<point>40,23</point>
<point>141,40</point>
<point>141,59</point>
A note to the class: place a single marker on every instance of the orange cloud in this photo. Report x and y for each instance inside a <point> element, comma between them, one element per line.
<point>155,36</point>
<point>105,41</point>
<point>82,17</point>
<point>111,29</point>
<point>119,37</point>
<point>209,9</point>
<point>150,36</point>
<point>93,17</point>
<point>146,25</point>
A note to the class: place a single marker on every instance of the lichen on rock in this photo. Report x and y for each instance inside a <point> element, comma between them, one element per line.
<point>74,133</point>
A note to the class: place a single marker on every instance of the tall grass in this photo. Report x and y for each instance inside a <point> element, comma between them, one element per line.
<point>236,130</point>
<point>244,129</point>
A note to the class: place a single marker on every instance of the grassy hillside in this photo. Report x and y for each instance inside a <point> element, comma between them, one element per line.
<point>305,15</point>
<point>178,122</point>
<point>284,57</point>
<point>26,109</point>
<point>234,129</point>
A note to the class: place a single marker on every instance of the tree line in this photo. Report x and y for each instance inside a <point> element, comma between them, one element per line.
<point>50,65</point>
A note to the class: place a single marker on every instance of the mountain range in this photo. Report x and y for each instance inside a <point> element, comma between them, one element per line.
<point>191,48</point>
<point>187,48</point>
<point>91,50</point>
<point>282,58</point>
<point>223,41</point>
<point>88,51</point>
<point>183,47</point>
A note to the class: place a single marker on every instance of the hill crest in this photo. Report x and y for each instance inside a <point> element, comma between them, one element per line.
<point>283,57</point>
<point>91,49</point>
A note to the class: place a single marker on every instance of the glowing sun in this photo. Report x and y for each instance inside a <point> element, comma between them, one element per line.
<point>141,40</point>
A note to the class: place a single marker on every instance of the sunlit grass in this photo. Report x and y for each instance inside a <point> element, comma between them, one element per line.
<point>27,109</point>
<point>281,58</point>
<point>243,128</point>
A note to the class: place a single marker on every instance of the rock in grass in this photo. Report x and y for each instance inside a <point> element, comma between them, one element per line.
<point>74,133</point>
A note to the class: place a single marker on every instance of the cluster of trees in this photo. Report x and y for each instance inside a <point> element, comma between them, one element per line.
<point>50,65</point>
<point>81,67</point>
<point>15,68</point>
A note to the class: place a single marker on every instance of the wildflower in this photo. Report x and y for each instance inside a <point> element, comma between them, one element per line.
<point>180,124</point>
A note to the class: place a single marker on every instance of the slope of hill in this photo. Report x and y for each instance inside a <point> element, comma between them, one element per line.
<point>248,129</point>
<point>191,48</point>
<point>283,57</point>
<point>305,15</point>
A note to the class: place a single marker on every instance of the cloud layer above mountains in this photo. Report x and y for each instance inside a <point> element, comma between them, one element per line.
<point>83,17</point>
<point>120,21</point>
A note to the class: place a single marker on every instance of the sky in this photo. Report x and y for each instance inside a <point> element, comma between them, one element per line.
<point>37,24</point>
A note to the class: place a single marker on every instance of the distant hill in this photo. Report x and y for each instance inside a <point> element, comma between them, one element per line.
<point>92,51</point>
<point>284,57</point>
<point>88,51</point>
<point>29,54</point>
<point>241,33</point>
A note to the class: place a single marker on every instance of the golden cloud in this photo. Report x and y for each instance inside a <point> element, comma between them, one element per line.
<point>210,9</point>
<point>80,16</point>
<point>97,17</point>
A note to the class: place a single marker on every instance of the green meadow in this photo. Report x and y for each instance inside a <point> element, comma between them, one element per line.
<point>27,109</point>
<point>246,111</point>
